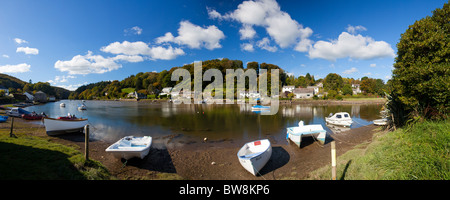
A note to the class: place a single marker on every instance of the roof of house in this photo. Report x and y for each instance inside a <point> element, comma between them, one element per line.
<point>303,90</point>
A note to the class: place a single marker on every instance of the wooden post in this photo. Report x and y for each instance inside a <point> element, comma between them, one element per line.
<point>86,142</point>
<point>333,160</point>
<point>12,125</point>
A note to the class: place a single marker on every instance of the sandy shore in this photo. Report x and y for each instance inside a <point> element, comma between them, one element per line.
<point>212,159</point>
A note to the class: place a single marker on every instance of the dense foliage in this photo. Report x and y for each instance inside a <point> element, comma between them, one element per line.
<point>421,78</point>
<point>152,83</point>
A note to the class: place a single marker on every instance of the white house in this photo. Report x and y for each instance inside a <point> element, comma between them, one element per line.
<point>29,96</point>
<point>315,88</point>
<point>356,89</point>
<point>5,89</point>
<point>303,93</point>
<point>166,91</point>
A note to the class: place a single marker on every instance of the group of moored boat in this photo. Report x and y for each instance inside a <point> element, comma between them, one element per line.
<point>253,156</point>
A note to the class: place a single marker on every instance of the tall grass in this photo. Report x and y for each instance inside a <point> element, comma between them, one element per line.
<point>418,152</point>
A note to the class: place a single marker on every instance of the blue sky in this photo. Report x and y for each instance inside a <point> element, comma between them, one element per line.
<point>70,43</point>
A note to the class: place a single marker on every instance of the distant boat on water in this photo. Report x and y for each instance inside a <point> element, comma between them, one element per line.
<point>296,133</point>
<point>340,119</point>
<point>254,155</point>
<point>82,107</point>
<point>260,107</point>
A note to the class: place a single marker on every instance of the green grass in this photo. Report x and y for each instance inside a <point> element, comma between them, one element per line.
<point>418,152</point>
<point>35,158</point>
<point>128,90</point>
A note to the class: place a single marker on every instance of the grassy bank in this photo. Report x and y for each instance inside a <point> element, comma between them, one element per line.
<point>35,158</point>
<point>418,152</point>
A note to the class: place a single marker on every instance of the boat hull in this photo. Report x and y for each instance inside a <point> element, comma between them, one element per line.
<point>3,118</point>
<point>295,134</point>
<point>61,126</point>
<point>139,148</point>
<point>253,156</point>
<point>380,122</point>
<point>260,108</point>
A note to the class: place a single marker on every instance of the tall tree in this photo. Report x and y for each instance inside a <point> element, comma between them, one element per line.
<point>421,75</point>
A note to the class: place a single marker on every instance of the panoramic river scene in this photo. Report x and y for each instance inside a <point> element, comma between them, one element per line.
<point>253,90</point>
<point>112,120</point>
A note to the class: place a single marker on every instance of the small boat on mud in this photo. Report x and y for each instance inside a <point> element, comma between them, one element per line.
<point>340,119</point>
<point>380,122</point>
<point>131,146</point>
<point>63,125</point>
<point>3,118</point>
<point>254,155</point>
<point>16,112</point>
<point>295,134</point>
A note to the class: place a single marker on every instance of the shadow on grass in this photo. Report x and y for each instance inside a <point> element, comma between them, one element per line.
<point>21,162</point>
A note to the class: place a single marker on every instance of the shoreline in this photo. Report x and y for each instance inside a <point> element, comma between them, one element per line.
<point>211,160</point>
<point>295,101</point>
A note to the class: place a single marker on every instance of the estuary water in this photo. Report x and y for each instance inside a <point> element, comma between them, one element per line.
<point>112,120</point>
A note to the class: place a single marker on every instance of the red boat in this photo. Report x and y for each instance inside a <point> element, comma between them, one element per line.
<point>32,116</point>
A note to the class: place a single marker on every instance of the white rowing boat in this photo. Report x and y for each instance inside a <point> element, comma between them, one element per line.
<point>130,146</point>
<point>295,134</point>
<point>60,126</point>
<point>380,122</point>
<point>340,119</point>
<point>254,155</point>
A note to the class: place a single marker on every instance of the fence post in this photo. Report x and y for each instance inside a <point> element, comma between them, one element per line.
<point>11,134</point>
<point>333,160</point>
<point>86,142</point>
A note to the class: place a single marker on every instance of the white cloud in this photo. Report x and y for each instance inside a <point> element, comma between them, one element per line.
<point>140,48</point>
<point>373,65</point>
<point>87,64</point>
<point>127,48</point>
<point>247,32</point>
<point>350,71</point>
<point>194,36</point>
<point>247,47</point>
<point>267,13</point>
<point>353,46</point>
<point>162,53</point>
<point>61,79</point>
<point>129,58</point>
<point>133,31</point>
<point>71,87</point>
<point>19,68</point>
<point>5,56</point>
<point>264,44</point>
<point>352,29</point>
<point>168,37</point>
<point>19,41</point>
<point>28,50</point>
<point>213,14</point>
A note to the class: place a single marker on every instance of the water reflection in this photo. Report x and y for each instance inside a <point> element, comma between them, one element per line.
<point>111,120</point>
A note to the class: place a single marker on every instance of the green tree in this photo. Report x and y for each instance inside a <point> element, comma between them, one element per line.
<point>333,82</point>
<point>421,75</point>
<point>347,89</point>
